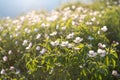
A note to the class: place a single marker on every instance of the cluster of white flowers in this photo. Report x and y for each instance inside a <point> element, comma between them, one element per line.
<point>93,19</point>
<point>100,45</point>
<point>43,25</point>
<point>52,18</point>
<point>27,30</point>
<point>64,43</point>
<point>56,43</point>
<point>101,52</point>
<point>18,28</point>
<point>35,31</point>
<point>69,36</point>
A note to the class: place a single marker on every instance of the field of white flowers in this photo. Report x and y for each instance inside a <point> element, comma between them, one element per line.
<point>75,42</point>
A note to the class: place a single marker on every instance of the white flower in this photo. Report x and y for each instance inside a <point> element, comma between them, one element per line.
<point>29,46</point>
<point>101,52</point>
<point>70,36</point>
<point>10,52</point>
<point>88,23</point>
<point>56,43</point>
<point>78,40</point>
<point>93,19</point>
<point>52,18</point>
<point>103,45</point>
<point>81,66</point>
<point>43,25</point>
<point>46,36</point>
<point>54,33</point>
<point>16,42</point>
<point>25,42</point>
<point>43,51</point>
<point>89,45</point>
<point>22,18</point>
<point>52,43</point>
<point>100,45</point>
<point>38,36</point>
<point>92,53</point>
<point>100,15</point>
<point>104,28</point>
<point>12,68</point>
<point>73,22</point>
<point>98,32</point>
<point>64,44</point>
<point>73,7</point>
<point>90,38</point>
<point>114,72</point>
<point>17,34</point>
<point>63,28</point>
<point>11,36</point>
<point>70,45</point>
<point>18,28</point>
<point>117,43</point>
<point>27,30</point>
<point>5,58</point>
<point>64,18</point>
<point>2,71</point>
<point>38,48</point>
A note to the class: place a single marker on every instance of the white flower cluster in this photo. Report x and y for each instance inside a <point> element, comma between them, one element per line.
<point>100,52</point>
<point>33,33</point>
<point>56,43</point>
<point>70,36</point>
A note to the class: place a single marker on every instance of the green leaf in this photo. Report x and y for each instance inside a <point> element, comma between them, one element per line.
<point>100,77</point>
<point>114,63</point>
<point>84,72</point>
